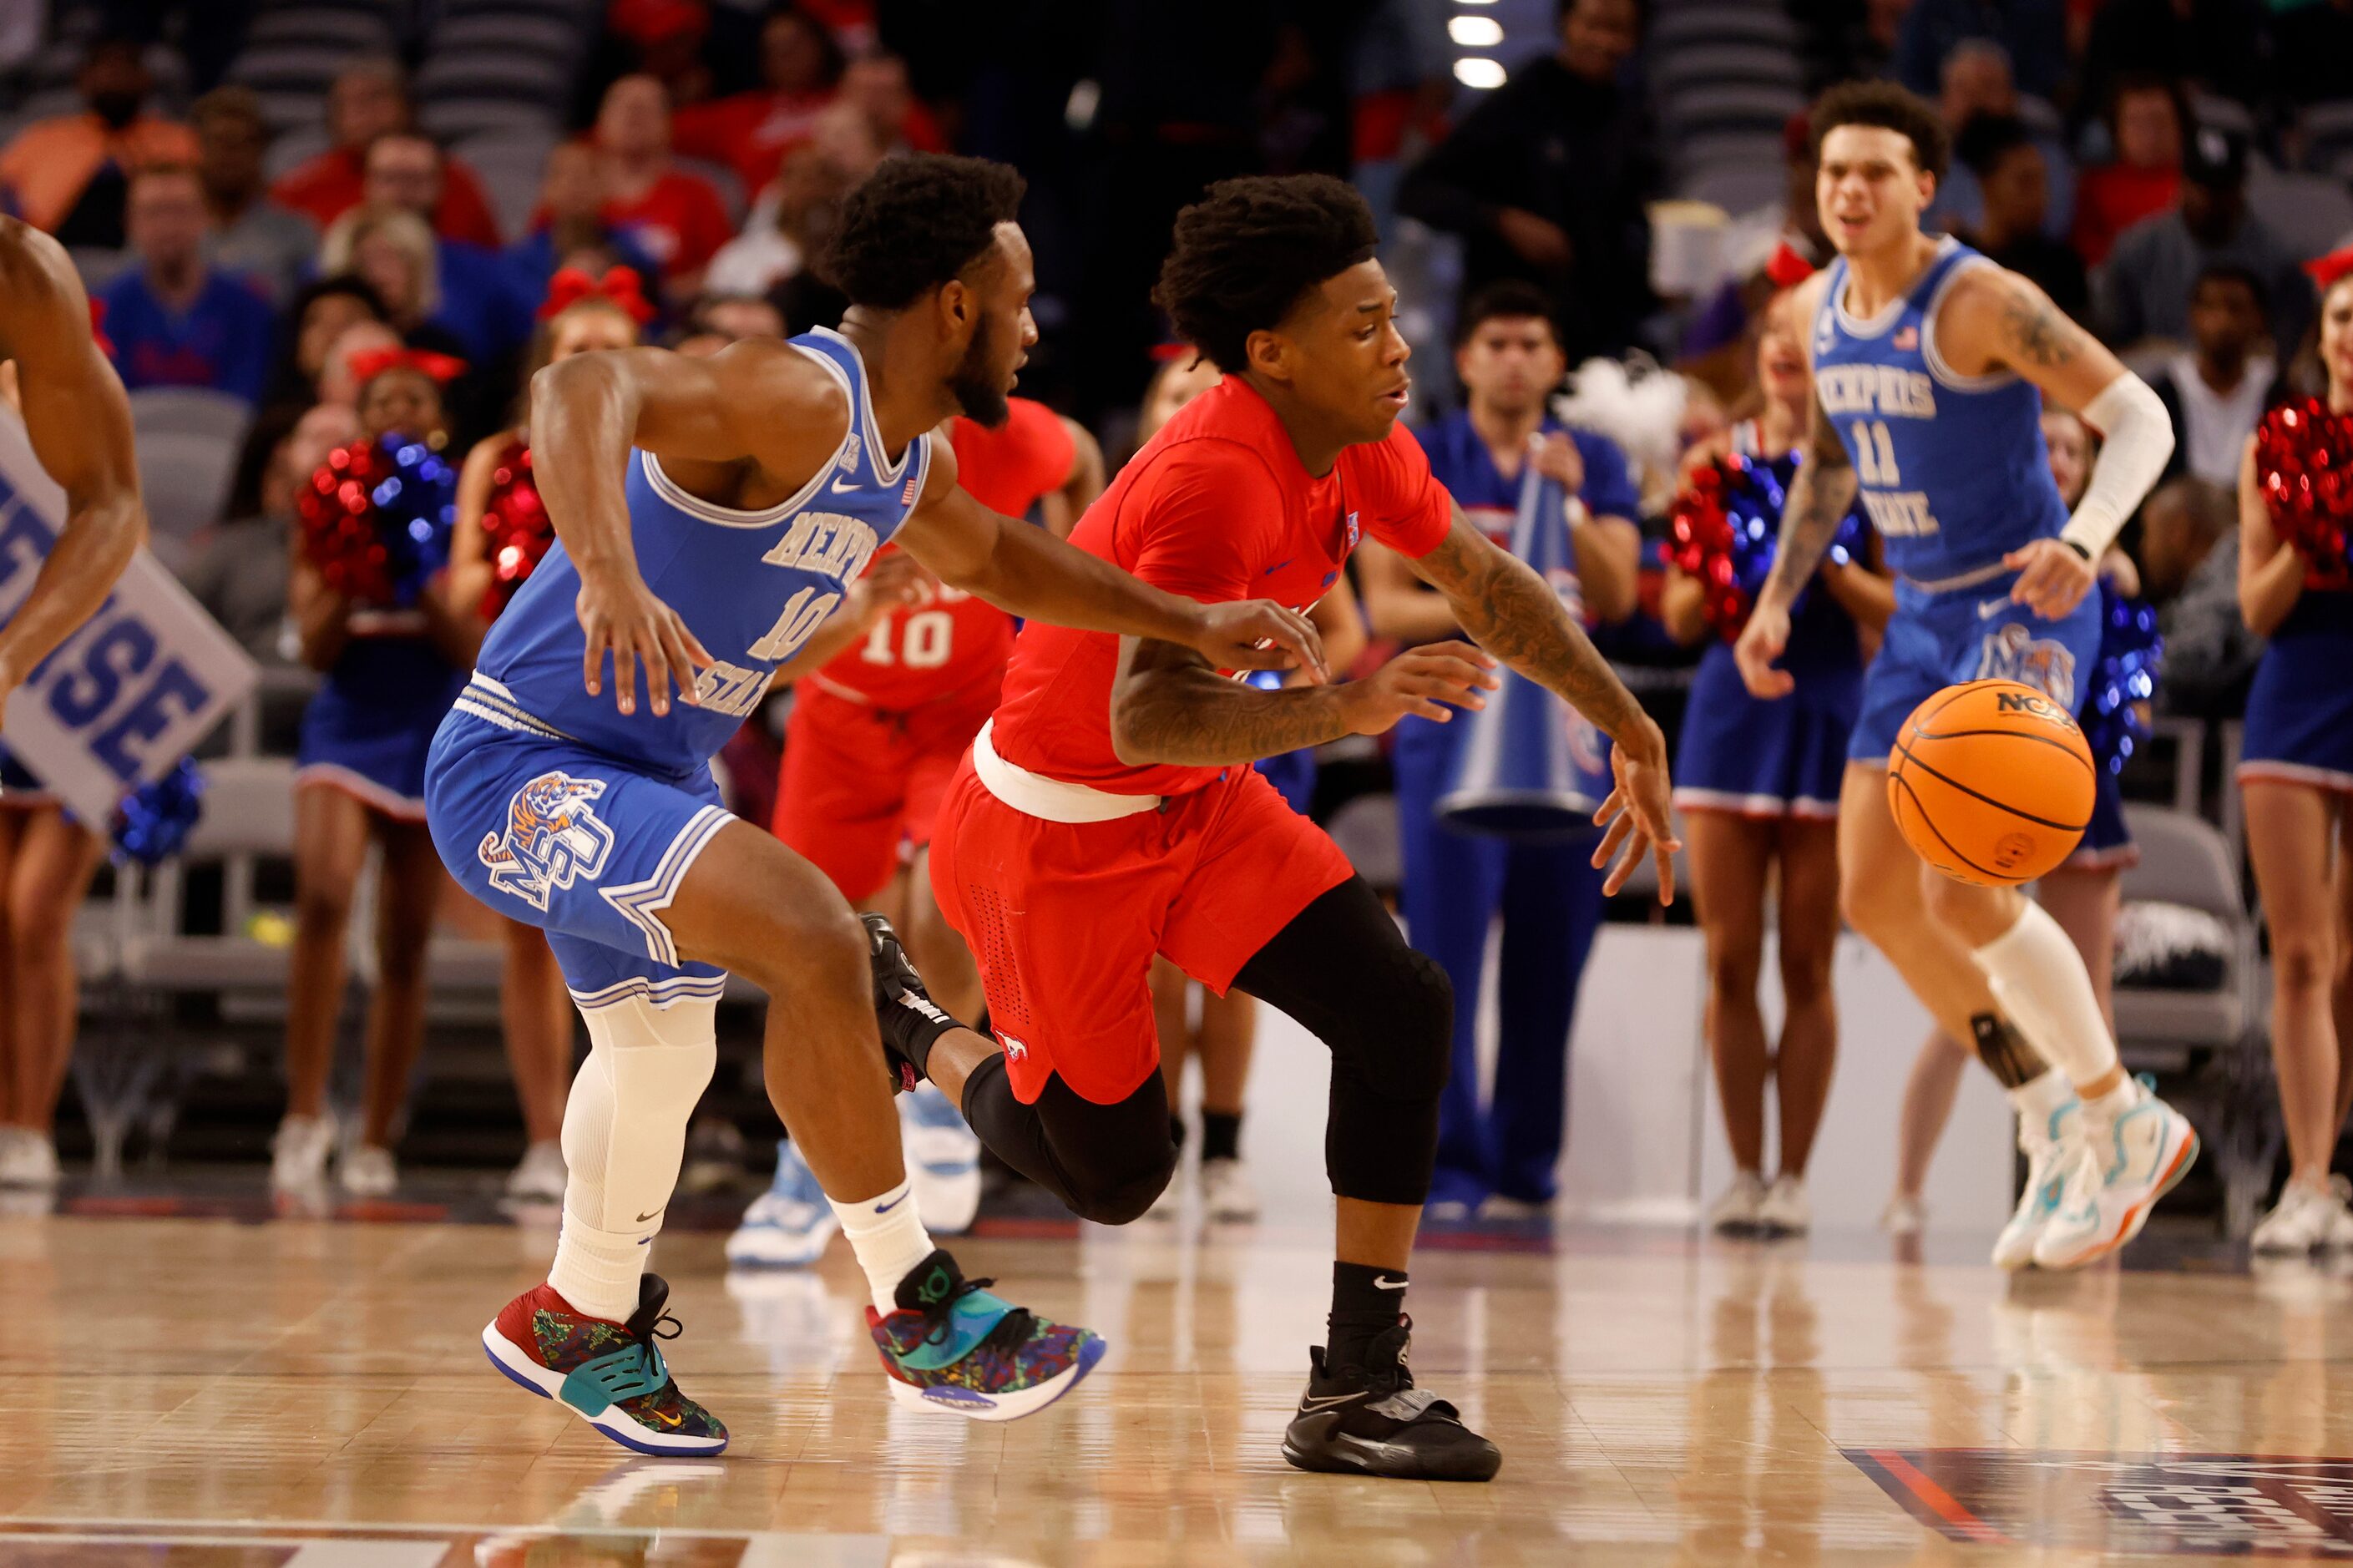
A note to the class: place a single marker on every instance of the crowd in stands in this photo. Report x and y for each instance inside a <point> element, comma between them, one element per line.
<point>2104,149</point>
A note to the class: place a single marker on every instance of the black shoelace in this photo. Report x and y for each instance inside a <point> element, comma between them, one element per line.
<point>1012,1330</point>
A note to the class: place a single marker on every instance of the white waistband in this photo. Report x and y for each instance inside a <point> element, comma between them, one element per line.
<point>1051,800</point>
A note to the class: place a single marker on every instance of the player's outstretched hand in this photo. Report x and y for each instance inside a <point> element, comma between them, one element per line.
<point>2052,577</point>
<point>623,618</point>
<point>1423,681</point>
<point>1637,816</point>
<point>1761,642</point>
<point>1259,634</point>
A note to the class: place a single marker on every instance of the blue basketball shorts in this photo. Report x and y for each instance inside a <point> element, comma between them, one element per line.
<point>1976,632</point>
<point>580,844</point>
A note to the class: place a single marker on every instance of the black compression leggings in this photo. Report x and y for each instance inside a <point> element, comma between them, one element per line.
<point>1342,969</point>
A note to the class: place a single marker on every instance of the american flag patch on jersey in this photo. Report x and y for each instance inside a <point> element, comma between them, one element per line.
<point>1907,340</point>
<point>907,496</point>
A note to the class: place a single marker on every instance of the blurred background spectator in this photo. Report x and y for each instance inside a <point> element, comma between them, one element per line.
<point>2144,289</point>
<point>251,234</point>
<point>2146,122</point>
<point>69,174</point>
<point>2218,389</point>
<point>368,100</point>
<point>800,71</point>
<point>2012,222</point>
<point>674,217</point>
<point>174,320</point>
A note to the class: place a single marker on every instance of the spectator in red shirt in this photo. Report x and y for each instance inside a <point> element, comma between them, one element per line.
<point>676,218</point>
<point>367,101</point>
<point>876,85</point>
<point>802,67</point>
<point>2148,121</point>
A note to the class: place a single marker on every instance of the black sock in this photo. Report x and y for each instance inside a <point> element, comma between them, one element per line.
<point>1177,1130</point>
<point>1365,1302</point>
<point>2010,1059</point>
<point>1221,1134</point>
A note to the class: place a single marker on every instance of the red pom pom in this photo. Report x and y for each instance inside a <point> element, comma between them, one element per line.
<point>339,536</point>
<point>1703,546</point>
<point>2304,468</point>
<point>515,529</point>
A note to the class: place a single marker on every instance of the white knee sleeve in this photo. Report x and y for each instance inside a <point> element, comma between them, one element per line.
<point>624,1140</point>
<point>2040,979</point>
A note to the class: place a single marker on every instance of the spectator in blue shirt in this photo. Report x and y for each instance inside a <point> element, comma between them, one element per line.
<point>173,320</point>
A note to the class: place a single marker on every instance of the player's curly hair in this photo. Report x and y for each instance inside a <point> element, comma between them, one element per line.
<point>1248,249</point>
<point>1889,108</point>
<point>917,222</point>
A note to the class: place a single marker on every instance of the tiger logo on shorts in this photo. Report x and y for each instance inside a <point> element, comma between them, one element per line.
<point>552,839</point>
<point>2015,653</point>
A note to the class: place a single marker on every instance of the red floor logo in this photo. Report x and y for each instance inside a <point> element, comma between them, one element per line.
<point>2247,1505</point>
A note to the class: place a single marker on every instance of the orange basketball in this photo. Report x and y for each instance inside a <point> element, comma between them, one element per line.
<point>1992,782</point>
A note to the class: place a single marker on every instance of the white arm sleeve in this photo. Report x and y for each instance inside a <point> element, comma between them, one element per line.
<point>2136,438</point>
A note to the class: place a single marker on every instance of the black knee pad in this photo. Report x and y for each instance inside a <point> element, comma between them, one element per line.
<point>1390,1061</point>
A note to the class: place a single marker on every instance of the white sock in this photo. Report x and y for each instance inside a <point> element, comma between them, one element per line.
<point>888,1237</point>
<point>2037,1098</point>
<point>2039,978</point>
<point>597,1271</point>
<point>2102,1111</point>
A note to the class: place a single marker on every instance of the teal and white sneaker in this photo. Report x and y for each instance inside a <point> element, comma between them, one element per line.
<point>2116,1175</point>
<point>942,1160</point>
<point>788,1226</point>
<point>2043,1142</point>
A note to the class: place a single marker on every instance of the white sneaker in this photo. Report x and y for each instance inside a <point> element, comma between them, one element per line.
<point>1784,1211</point>
<point>1227,1193</point>
<point>942,1161</point>
<point>1903,1217</point>
<point>786,1227</point>
<point>368,1172</point>
<point>2340,1224</point>
<point>2118,1174</point>
<point>1496,1206</point>
<point>1170,1204</point>
<point>1734,1213</point>
<point>2301,1221</point>
<point>28,1159</point>
<point>541,1176</point>
<point>2044,1143</point>
<point>297,1154</point>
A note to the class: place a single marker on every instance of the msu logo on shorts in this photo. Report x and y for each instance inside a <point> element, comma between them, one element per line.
<point>2015,653</point>
<point>552,838</point>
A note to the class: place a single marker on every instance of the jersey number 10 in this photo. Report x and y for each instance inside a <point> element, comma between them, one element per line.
<point>923,645</point>
<point>1875,453</point>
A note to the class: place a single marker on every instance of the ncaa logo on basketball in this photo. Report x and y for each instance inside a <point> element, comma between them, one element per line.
<point>2015,653</point>
<point>552,839</point>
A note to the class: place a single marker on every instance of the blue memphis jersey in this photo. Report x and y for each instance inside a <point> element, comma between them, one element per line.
<point>751,585</point>
<point>1953,468</point>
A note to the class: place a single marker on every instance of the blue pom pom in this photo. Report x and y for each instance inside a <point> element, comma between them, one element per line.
<point>2124,674</point>
<point>1752,498</point>
<point>415,513</point>
<point>154,820</point>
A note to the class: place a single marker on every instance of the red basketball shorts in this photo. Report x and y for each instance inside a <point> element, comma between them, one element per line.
<point>1065,916</point>
<point>860,780</point>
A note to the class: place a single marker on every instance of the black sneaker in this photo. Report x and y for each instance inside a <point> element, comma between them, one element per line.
<point>1370,1420</point>
<point>911,1020</point>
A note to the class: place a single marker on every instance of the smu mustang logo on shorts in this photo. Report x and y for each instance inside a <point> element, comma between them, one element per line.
<point>552,839</point>
<point>2014,653</point>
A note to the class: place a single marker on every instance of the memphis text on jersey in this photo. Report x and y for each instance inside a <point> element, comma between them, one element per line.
<point>1879,393</point>
<point>823,545</point>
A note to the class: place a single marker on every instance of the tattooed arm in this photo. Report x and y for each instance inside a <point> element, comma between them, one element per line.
<point>1995,320</point>
<point>1819,498</point>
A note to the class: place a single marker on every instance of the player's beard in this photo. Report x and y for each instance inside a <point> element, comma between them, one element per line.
<point>974,384</point>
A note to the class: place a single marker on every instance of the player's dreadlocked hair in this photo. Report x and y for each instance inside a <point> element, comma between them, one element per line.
<point>1889,108</point>
<point>1247,250</point>
<point>917,222</point>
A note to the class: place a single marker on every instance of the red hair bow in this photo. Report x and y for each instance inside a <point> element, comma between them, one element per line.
<point>619,287</point>
<point>370,364</point>
<point>2326,271</point>
<point>1786,269</point>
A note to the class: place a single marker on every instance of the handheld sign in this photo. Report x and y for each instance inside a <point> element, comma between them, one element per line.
<point>123,699</point>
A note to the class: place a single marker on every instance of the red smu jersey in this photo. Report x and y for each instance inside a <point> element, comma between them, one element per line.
<point>950,641</point>
<point>1216,508</point>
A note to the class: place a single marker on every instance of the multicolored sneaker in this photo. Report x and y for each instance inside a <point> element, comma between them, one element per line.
<point>611,1374</point>
<point>953,1346</point>
<point>1370,1420</point>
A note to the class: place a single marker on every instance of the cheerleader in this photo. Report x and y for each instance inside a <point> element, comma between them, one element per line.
<point>46,861</point>
<point>390,674</point>
<point>1758,783</point>
<point>2082,895</point>
<point>501,532</point>
<point>2295,504</point>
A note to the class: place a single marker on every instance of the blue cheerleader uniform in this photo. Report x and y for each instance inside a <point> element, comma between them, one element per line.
<point>1293,773</point>
<point>2300,708</point>
<point>369,728</point>
<point>2107,839</point>
<point>1774,756</point>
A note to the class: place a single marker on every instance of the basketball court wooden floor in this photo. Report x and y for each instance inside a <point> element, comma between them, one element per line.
<point>207,1391</point>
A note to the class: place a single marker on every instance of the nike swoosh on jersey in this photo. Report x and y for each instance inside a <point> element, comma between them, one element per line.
<point>840,485</point>
<point>1276,567</point>
<point>1989,608</point>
